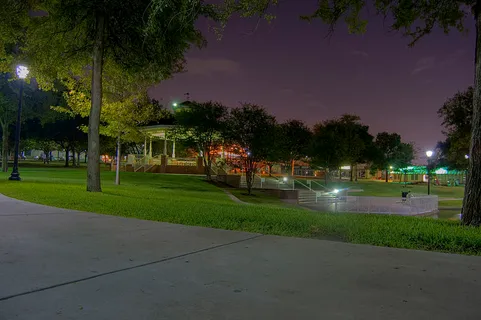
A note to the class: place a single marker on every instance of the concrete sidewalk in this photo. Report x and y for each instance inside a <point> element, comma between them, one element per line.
<point>61,264</point>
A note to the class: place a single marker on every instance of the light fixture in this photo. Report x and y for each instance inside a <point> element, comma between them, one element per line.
<point>429,153</point>
<point>466,156</point>
<point>22,72</point>
<point>335,191</point>
<point>390,167</point>
<point>285,179</point>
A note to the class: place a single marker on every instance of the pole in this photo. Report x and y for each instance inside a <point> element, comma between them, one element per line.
<point>429,180</point>
<point>117,169</point>
<point>15,176</point>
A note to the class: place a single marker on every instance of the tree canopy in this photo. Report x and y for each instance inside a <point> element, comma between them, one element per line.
<point>202,125</point>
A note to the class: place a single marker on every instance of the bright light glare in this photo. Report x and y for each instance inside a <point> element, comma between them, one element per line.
<point>22,72</point>
<point>174,104</point>
<point>335,191</point>
<point>429,153</point>
<point>285,179</point>
<point>466,156</point>
<point>390,167</point>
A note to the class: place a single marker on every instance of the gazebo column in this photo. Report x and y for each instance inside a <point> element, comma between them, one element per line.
<point>165,144</point>
<point>173,148</point>
<point>150,148</point>
<point>145,147</point>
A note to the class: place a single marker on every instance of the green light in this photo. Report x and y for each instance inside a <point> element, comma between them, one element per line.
<point>175,104</point>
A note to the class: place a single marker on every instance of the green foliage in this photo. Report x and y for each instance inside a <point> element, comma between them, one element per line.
<point>414,18</point>
<point>294,140</point>
<point>157,197</point>
<point>325,148</point>
<point>251,129</point>
<point>457,115</point>
<point>145,40</point>
<point>392,151</point>
<point>201,125</point>
<point>355,137</point>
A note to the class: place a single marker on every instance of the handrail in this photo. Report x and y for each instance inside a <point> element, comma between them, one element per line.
<point>302,184</point>
<point>321,185</point>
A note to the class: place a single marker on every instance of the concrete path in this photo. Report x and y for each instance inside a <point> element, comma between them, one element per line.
<point>60,264</point>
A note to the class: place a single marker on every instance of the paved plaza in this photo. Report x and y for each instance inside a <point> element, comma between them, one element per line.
<point>61,264</point>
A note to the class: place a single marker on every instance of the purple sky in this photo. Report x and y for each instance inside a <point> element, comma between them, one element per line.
<point>291,69</point>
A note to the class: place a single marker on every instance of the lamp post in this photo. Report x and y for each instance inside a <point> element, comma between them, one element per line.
<point>22,73</point>
<point>429,154</point>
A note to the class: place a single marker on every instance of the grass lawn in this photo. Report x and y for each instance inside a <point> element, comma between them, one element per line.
<point>260,197</point>
<point>189,200</point>
<point>451,203</point>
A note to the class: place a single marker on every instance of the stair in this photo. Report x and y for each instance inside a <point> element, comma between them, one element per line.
<point>309,196</point>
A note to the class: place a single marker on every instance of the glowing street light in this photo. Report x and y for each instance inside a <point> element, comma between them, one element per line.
<point>22,73</point>
<point>466,156</point>
<point>429,153</point>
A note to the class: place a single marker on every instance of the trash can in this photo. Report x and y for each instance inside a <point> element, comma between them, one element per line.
<point>404,195</point>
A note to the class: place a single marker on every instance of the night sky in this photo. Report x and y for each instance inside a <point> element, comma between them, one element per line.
<point>295,72</point>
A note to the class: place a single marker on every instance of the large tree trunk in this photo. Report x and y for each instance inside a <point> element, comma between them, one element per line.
<point>387,175</point>
<point>93,166</point>
<point>471,212</point>
<point>4,148</point>
<point>117,169</point>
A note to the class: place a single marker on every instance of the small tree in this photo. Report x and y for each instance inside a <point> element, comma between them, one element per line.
<point>294,141</point>
<point>392,152</point>
<point>356,140</point>
<point>201,124</point>
<point>326,147</point>
<point>457,115</point>
<point>252,129</point>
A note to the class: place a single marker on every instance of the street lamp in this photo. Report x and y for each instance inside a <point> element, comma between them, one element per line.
<point>429,154</point>
<point>22,73</point>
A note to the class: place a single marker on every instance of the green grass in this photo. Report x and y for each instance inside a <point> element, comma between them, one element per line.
<point>257,197</point>
<point>451,203</point>
<point>191,201</point>
<point>449,214</point>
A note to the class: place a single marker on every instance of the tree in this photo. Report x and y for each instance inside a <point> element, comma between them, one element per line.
<point>356,142</point>
<point>294,141</point>
<point>252,129</point>
<point>457,115</point>
<point>276,152</point>
<point>392,152</point>
<point>145,40</point>
<point>201,124</point>
<point>325,149</point>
